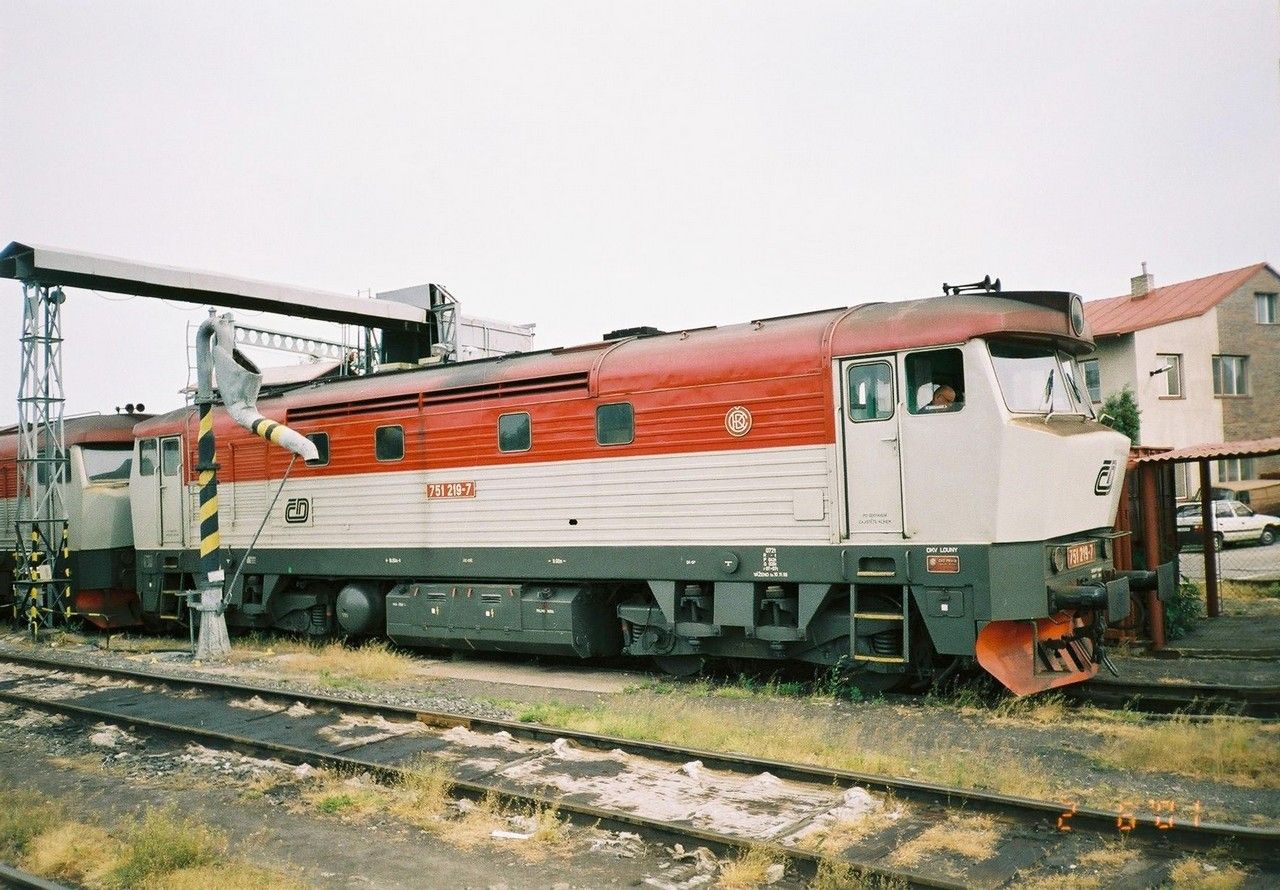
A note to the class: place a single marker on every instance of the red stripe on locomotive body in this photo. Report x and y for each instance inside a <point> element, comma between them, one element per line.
<point>681,386</point>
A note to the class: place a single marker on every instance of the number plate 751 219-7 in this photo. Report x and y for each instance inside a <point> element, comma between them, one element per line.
<point>1081,554</point>
<point>451,489</point>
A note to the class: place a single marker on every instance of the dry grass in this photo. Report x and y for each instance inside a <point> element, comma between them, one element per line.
<point>424,795</point>
<point>24,817</point>
<point>1231,751</point>
<point>1039,709</point>
<point>823,740</point>
<point>477,825</point>
<point>842,834</point>
<point>1060,882</point>
<point>424,798</point>
<point>749,870</point>
<point>973,837</point>
<point>71,851</point>
<point>129,644</point>
<point>373,662</point>
<point>225,877</point>
<point>347,796</point>
<point>1248,591</point>
<point>1113,856</point>
<point>1197,874</point>
<point>835,874</point>
<point>163,850</point>
<point>549,829</point>
<point>165,842</point>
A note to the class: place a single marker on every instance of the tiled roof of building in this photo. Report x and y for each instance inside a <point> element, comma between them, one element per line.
<point>1161,305</point>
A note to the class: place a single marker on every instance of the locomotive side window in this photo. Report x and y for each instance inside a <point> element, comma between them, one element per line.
<point>147,457</point>
<point>321,441</point>
<point>870,392</point>
<point>170,456</point>
<point>388,442</point>
<point>615,424</point>
<point>514,432</point>
<point>935,381</point>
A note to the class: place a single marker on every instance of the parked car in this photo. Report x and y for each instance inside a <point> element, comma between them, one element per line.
<point>1260,495</point>
<point>1232,522</point>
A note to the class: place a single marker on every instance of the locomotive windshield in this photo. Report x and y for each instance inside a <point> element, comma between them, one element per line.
<point>107,463</point>
<point>1036,379</point>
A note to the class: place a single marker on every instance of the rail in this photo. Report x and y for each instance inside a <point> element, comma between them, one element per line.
<point>155,706</point>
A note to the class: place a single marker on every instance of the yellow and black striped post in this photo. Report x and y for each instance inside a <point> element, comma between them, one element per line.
<point>207,467</point>
<point>33,599</point>
<point>65,550</point>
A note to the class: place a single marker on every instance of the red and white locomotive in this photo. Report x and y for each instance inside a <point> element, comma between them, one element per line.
<point>902,486</point>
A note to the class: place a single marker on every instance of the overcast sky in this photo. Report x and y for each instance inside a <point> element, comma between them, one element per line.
<point>593,165</point>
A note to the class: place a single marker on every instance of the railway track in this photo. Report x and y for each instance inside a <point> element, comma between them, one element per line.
<point>1191,699</point>
<point>725,801</point>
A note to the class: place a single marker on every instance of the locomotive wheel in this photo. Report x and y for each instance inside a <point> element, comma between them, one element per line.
<point>679,665</point>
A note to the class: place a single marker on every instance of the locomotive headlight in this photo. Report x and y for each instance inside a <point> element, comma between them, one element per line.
<point>1077,315</point>
<point>1057,559</point>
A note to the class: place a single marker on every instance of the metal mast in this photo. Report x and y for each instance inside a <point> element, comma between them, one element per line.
<point>43,577</point>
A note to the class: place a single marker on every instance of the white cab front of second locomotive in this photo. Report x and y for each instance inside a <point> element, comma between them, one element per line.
<point>999,443</point>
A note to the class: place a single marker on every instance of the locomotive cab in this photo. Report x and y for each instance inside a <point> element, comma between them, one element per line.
<point>985,458</point>
<point>99,449</point>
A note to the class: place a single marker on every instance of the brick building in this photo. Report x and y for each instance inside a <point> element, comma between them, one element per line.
<point>1202,357</point>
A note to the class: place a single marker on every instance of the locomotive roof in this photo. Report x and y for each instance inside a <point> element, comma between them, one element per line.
<point>86,428</point>
<point>786,345</point>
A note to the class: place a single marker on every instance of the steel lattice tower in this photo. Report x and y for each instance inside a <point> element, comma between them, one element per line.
<point>42,580</point>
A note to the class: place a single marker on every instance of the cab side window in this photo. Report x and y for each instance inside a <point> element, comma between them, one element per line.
<point>935,381</point>
<point>147,457</point>
<point>870,392</point>
<point>170,456</point>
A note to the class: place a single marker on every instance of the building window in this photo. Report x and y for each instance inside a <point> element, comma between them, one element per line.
<point>1233,469</point>
<point>388,443</point>
<point>514,432</point>
<point>1172,388</point>
<point>1092,379</point>
<point>1181,481</point>
<point>321,441</point>
<point>1230,375</point>
<point>615,424</point>
<point>1267,308</point>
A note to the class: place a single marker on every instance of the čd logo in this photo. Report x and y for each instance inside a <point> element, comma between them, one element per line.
<point>297,510</point>
<point>1106,477</point>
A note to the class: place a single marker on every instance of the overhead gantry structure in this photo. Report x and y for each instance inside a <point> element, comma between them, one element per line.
<point>419,327</point>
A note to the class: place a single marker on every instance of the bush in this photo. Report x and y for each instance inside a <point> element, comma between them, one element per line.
<point>1120,412</point>
<point>1183,611</point>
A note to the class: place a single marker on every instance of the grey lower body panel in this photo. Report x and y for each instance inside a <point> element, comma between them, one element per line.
<point>758,601</point>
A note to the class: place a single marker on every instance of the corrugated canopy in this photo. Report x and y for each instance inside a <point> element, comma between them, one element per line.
<point>1217,451</point>
<point>55,266</point>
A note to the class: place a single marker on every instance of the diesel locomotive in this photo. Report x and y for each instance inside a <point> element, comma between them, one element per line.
<point>904,488</point>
